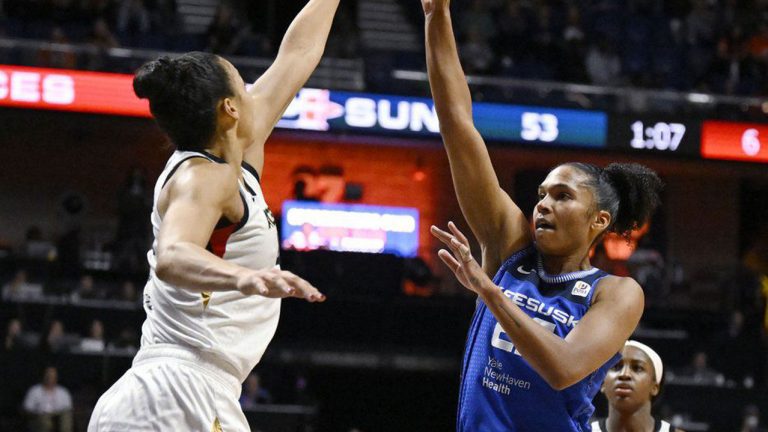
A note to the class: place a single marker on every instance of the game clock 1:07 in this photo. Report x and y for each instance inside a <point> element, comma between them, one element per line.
<point>659,136</point>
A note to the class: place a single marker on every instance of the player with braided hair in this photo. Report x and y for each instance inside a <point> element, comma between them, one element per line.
<point>528,366</point>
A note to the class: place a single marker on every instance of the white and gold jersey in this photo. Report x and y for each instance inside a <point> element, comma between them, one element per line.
<point>230,327</point>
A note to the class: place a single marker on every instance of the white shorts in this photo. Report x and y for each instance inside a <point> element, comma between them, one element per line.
<point>171,389</point>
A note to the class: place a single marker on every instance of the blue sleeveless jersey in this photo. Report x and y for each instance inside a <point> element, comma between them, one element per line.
<point>500,391</point>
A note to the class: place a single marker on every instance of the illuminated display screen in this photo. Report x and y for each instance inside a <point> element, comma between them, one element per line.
<point>734,141</point>
<point>654,135</point>
<point>312,109</point>
<point>67,90</point>
<point>350,228</point>
<point>326,110</point>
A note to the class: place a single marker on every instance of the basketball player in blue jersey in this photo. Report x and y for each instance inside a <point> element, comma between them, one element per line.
<point>213,295</point>
<point>631,386</point>
<point>547,325</point>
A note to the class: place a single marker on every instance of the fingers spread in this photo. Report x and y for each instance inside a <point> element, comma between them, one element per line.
<point>443,236</point>
<point>459,235</point>
<point>440,234</point>
<point>449,260</point>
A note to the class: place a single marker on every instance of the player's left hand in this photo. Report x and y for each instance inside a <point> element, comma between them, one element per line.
<point>460,259</point>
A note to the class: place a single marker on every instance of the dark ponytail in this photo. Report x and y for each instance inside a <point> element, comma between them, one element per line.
<point>184,93</point>
<point>628,191</point>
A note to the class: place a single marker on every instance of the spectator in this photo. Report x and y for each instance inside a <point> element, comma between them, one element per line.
<point>573,30</point>
<point>133,17</point>
<point>128,292</point>
<point>101,35</point>
<point>226,32</point>
<point>68,247</point>
<point>758,44</point>
<point>603,65</point>
<point>734,70</point>
<point>55,339</point>
<point>12,335</point>
<point>132,237</point>
<point>476,53</point>
<point>35,247</point>
<point>49,405</point>
<point>163,16</point>
<point>513,32</point>
<point>95,340</point>
<point>742,362</point>
<point>127,341</point>
<point>19,289</point>
<point>646,266</point>
<point>303,395</point>
<point>102,40</point>
<point>750,421</point>
<point>701,24</point>
<point>15,337</point>
<point>305,183</point>
<point>85,290</point>
<point>478,20</point>
<point>253,393</point>
<point>699,372</point>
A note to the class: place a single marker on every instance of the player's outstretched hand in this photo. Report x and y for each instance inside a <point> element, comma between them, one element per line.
<point>276,283</point>
<point>460,259</point>
<point>431,5</point>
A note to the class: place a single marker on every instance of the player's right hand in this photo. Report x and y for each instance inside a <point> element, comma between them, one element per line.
<point>276,283</point>
<point>431,5</point>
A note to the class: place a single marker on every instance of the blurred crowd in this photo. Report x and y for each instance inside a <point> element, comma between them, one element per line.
<point>101,25</point>
<point>718,46</point>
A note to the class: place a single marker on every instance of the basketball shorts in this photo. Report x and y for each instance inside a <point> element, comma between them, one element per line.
<point>171,389</point>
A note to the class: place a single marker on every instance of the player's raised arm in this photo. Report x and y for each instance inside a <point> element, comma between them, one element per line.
<point>496,221</point>
<point>298,56</point>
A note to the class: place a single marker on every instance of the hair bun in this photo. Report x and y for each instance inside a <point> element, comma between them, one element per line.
<point>638,189</point>
<point>151,80</point>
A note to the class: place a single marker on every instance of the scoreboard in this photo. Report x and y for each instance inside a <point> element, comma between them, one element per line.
<point>734,141</point>
<point>334,111</point>
<point>654,134</point>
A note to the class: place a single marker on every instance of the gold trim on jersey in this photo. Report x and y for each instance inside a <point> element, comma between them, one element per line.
<point>216,425</point>
<point>206,298</point>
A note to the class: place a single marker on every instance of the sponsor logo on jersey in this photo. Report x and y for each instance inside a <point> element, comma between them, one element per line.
<point>581,289</point>
<point>536,305</point>
<point>524,271</point>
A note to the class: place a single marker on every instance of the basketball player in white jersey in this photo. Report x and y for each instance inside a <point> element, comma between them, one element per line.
<point>630,386</point>
<point>214,290</point>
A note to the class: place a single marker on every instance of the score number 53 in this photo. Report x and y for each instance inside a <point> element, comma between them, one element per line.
<point>539,127</point>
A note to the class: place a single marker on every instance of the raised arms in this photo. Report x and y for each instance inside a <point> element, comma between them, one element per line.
<point>497,223</point>
<point>298,56</point>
